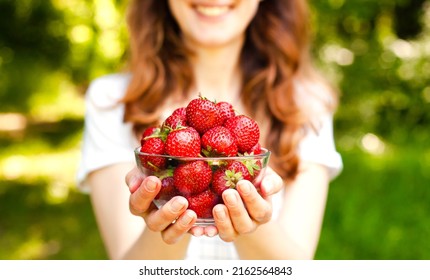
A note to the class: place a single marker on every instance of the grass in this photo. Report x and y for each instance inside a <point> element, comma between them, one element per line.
<point>33,227</point>
<point>42,215</point>
<point>378,208</point>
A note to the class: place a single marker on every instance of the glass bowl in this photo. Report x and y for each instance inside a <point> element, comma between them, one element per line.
<point>201,180</point>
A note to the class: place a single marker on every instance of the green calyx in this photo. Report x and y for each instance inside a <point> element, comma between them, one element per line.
<point>231,178</point>
<point>161,174</point>
<point>158,133</point>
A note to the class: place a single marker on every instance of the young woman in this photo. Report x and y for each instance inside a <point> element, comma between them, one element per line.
<point>253,54</point>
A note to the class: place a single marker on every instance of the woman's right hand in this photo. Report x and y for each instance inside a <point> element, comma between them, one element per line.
<point>172,220</point>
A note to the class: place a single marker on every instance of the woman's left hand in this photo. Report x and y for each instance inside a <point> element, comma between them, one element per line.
<point>244,209</point>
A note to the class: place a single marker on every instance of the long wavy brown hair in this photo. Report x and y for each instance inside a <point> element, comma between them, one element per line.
<point>274,57</point>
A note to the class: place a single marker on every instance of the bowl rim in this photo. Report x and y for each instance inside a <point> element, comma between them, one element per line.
<point>265,153</point>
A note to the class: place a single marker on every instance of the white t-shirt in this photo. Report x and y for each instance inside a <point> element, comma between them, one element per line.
<point>108,140</point>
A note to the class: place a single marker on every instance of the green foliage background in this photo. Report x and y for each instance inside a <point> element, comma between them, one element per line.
<point>376,53</point>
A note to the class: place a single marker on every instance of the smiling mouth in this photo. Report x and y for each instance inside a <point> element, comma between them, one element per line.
<point>212,11</point>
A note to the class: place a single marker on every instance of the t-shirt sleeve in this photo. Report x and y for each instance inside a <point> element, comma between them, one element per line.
<point>318,146</point>
<point>106,138</point>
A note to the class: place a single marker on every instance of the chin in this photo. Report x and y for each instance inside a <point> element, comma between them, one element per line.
<point>217,40</point>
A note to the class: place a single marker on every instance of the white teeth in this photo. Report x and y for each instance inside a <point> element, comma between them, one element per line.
<point>212,11</point>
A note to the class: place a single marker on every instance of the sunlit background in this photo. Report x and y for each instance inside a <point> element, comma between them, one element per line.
<point>376,52</point>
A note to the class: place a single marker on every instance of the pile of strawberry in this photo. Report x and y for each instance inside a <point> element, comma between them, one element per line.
<point>201,130</point>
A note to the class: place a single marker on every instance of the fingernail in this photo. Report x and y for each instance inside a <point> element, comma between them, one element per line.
<point>150,185</point>
<point>231,199</point>
<point>177,205</point>
<point>186,219</point>
<point>210,233</point>
<point>245,188</point>
<point>197,233</point>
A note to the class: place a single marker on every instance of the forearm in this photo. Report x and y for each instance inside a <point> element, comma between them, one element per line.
<point>125,235</point>
<point>271,241</point>
<point>150,246</point>
<point>295,233</point>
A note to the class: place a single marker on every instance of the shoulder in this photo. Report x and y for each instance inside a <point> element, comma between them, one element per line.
<point>316,99</point>
<point>107,90</point>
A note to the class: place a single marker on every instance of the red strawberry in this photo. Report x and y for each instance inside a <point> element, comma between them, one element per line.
<point>226,110</point>
<point>181,111</point>
<point>245,131</point>
<point>256,150</point>
<point>152,130</point>
<point>250,168</point>
<point>168,189</point>
<point>203,203</point>
<point>175,121</point>
<point>239,167</point>
<point>219,141</point>
<point>155,147</point>
<point>224,179</point>
<point>253,166</point>
<point>202,114</point>
<point>183,142</point>
<point>192,177</point>
<point>228,176</point>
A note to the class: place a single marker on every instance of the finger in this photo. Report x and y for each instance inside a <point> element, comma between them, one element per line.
<point>237,212</point>
<point>223,223</point>
<point>181,226</point>
<point>272,183</point>
<point>210,231</point>
<point>134,179</point>
<point>167,214</point>
<point>142,198</point>
<point>197,231</point>
<point>258,208</point>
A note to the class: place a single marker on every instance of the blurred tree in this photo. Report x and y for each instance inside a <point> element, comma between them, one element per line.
<point>375,51</point>
<point>33,42</point>
<point>408,18</point>
<point>46,43</point>
<point>33,29</point>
